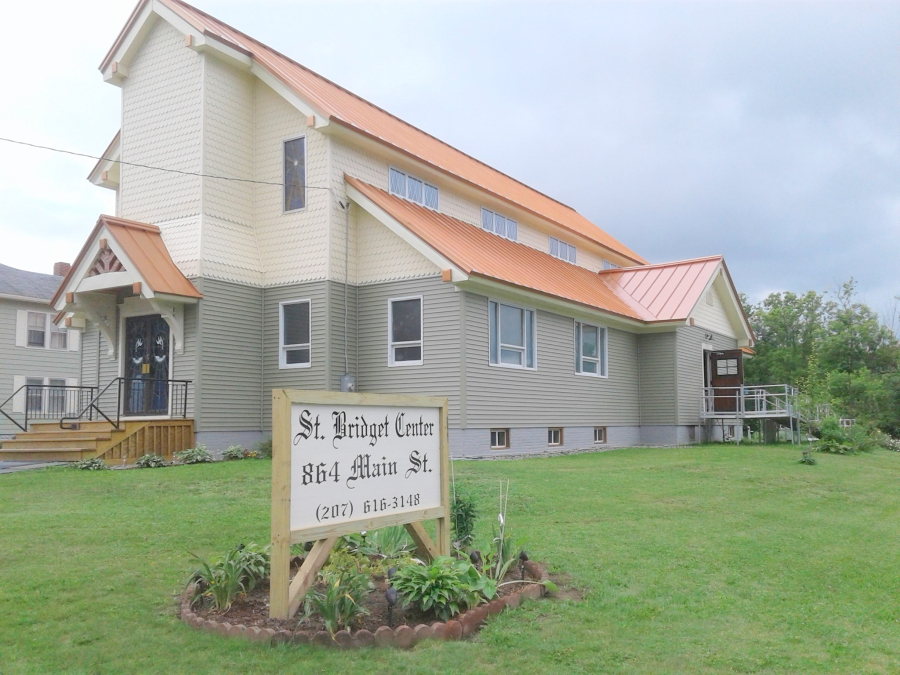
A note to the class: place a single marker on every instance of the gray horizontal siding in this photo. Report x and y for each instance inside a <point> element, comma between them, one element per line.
<point>336,332</point>
<point>439,375</point>
<point>658,378</point>
<point>230,364</point>
<point>552,395</point>
<point>27,361</point>
<point>314,377</point>
<point>689,343</point>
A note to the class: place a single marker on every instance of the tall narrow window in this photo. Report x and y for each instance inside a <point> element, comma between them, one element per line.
<point>58,337</point>
<point>56,397</point>
<point>590,349</point>
<point>295,343</point>
<point>511,336</point>
<point>295,174</point>
<point>37,329</point>
<point>35,395</point>
<point>405,331</point>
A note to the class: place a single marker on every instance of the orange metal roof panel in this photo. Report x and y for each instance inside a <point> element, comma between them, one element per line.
<point>667,292</point>
<point>348,109</point>
<point>145,248</point>
<point>481,253</point>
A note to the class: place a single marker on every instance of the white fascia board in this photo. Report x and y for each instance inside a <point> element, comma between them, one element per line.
<point>289,94</point>
<point>110,165</point>
<point>719,281</point>
<point>537,300</point>
<point>130,45</point>
<point>457,275</point>
<point>24,298</point>
<point>105,281</point>
<point>219,48</point>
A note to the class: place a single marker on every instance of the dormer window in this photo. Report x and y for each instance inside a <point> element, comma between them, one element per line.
<point>609,265</point>
<point>499,224</point>
<point>414,189</point>
<point>562,250</point>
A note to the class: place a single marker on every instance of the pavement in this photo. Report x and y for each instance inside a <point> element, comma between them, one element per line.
<point>11,467</point>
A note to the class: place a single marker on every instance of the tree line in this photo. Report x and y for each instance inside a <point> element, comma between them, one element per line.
<point>834,348</point>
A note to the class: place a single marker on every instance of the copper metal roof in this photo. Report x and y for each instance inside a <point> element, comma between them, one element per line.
<point>654,293</point>
<point>349,110</point>
<point>144,246</point>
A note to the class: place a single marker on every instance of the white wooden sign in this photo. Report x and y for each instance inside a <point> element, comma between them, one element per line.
<point>346,463</point>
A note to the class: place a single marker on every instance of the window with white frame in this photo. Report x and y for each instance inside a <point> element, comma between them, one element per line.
<point>58,337</point>
<point>599,434</point>
<point>499,439</point>
<point>562,250</point>
<point>295,174</point>
<point>512,336</point>
<point>590,349</point>
<point>607,265</point>
<point>37,329</point>
<point>294,349</point>
<point>414,189</point>
<point>554,436</point>
<point>499,224</point>
<point>405,331</point>
<point>34,395</point>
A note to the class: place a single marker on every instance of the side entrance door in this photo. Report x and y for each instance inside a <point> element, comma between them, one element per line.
<point>146,386</point>
<point>726,377</point>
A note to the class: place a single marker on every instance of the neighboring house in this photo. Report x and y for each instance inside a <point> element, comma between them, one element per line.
<point>357,250</point>
<point>33,350</point>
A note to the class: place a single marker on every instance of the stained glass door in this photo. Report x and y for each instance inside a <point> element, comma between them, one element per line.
<point>146,385</point>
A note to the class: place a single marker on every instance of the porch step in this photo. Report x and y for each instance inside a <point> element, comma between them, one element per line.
<point>24,442</point>
<point>95,425</point>
<point>79,435</point>
<point>46,454</point>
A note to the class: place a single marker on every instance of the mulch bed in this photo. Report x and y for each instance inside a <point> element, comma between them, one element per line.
<point>249,617</point>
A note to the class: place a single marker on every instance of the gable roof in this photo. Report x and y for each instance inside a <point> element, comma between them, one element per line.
<point>23,284</point>
<point>351,111</point>
<point>143,245</point>
<point>649,294</point>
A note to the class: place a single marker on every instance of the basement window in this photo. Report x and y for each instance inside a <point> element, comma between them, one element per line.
<point>554,436</point>
<point>295,174</point>
<point>294,351</point>
<point>599,435</point>
<point>562,250</point>
<point>499,224</point>
<point>414,189</point>
<point>499,439</point>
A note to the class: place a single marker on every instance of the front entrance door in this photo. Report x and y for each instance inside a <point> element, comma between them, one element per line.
<point>146,354</point>
<point>726,377</point>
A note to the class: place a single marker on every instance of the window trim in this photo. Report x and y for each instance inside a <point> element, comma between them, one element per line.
<point>602,430</point>
<point>603,360</point>
<point>550,442</point>
<point>49,328</point>
<point>28,329</point>
<point>559,257</point>
<point>609,265</point>
<point>420,342</point>
<point>499,430</point>
<point>405,196</point>
<point>282,348</point>
<point>508,220</point>
<point>500,363</point>
<point>284,142</point>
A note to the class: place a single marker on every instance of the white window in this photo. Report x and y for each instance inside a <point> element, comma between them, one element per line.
<point>590,349</point>
<point>405,331</point>
<point>499,439</point>
<point>414,189</point>
<point>295,174</point>
<point>562,250</point>
<point>37,329</point>
<point>294,349</point>
<point>35,395</point>
<point>554,436</point>
<point>599,434</point>
<point>58,337</point>
<point>607,265</point>
<point>499,224</point>
<point>512,339</point>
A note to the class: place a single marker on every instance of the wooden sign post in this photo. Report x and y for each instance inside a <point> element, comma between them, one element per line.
<point>345,463</point>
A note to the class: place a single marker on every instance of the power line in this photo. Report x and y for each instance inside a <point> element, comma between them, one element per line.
<point>154,168</point>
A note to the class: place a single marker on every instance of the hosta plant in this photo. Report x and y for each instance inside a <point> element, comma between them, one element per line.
<point>233,452</point>
<point>150,462</point>
<point>95,464</point>
<point>444,587</point>
<point>388,542</point>
<point>198,455</point>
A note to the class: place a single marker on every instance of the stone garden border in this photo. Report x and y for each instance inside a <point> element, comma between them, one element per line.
<point>404,637</point>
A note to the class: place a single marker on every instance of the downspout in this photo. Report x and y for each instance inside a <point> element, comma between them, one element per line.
<point>348,381</point>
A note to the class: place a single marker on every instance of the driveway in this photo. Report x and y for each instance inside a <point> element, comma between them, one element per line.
<point>10,467</point>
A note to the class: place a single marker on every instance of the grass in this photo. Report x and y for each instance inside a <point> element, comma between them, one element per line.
<point>695,560</point>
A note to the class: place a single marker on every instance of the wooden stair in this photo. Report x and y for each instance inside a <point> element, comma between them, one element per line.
<point>46,441</point>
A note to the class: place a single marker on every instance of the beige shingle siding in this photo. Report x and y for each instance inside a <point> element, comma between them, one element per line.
<point>552,395</point>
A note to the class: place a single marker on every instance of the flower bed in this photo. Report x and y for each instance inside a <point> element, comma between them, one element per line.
<point>403,636</point>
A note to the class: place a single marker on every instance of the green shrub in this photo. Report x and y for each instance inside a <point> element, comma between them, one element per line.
<point>264,448</point>
<point>462,517</point>
<point>444,586</point>
<point>807,458</point>
<point>233,452</point>
<point>198,455</point>
<point>238,571</point>
<point>340,601</point>
<point>150,462</point>
<point>95,464</point>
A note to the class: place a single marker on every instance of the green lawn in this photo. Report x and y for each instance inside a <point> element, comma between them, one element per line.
<point>691,560</point>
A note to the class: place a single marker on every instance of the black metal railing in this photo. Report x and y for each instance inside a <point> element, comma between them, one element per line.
<point>134,397</point>
<point>48,402</point>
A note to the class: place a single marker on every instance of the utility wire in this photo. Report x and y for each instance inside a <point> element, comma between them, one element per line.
<point>154,168</point>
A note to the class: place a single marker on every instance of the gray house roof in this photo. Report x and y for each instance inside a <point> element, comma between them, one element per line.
<point>22,284</point>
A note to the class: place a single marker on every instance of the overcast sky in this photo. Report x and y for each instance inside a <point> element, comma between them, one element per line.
<point>765,131</point>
